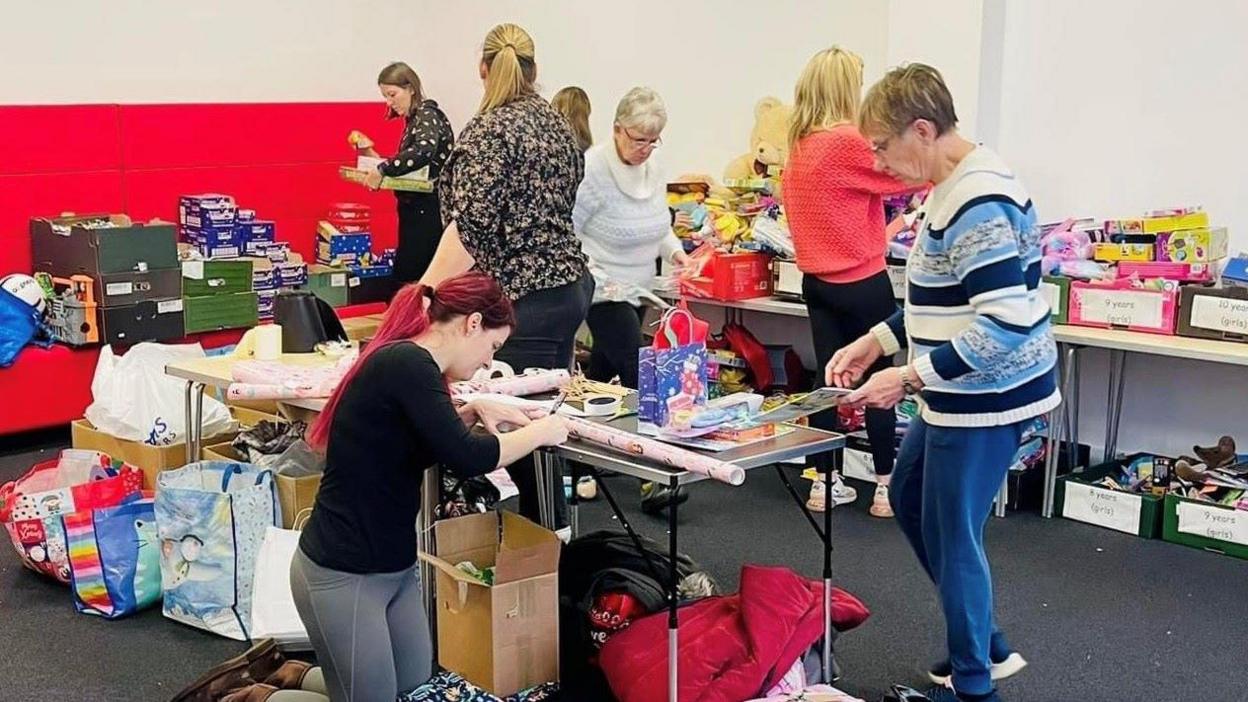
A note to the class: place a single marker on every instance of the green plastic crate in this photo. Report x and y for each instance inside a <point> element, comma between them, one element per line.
<point>329,284</point>
<point>205,278</point>
<point>215,312</point>
<point>1078,499</point>
<point>1206,526</point>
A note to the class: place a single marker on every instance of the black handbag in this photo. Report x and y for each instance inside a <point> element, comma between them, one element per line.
<point>306,321</point>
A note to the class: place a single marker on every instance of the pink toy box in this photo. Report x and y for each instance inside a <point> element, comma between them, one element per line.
<point>1121,304</point>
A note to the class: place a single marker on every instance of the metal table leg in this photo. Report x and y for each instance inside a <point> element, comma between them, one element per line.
<point>199,422</point>
<point>574,502</point>
<point>1003,497</point>
<point>1115,416</point>
<point>838,459</point>
<point>1058,423</point>
<point>545,509</point>
<point>673,622</point>
<point>187,416</point>
<point>430,496</point>
<point>1111,388</point>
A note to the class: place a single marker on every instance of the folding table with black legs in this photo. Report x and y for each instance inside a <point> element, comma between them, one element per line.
<point>801,441</point>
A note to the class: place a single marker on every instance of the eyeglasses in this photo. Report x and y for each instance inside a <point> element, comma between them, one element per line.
<point>879,147</point>
<point>642,143</point>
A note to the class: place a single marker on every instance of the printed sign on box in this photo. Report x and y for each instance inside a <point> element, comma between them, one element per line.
<point>1213,522</point>
<point>1113,510</point>
<point>1122,305</point>
<point>1220,314</point>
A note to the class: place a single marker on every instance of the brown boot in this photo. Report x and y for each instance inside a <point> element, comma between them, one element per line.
<point>258,692</point>
<point>289,676</point>
<point>1218,456</point>
<point>232,674</point>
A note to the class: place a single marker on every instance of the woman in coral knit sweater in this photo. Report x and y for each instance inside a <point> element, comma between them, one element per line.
<point>833,197</point>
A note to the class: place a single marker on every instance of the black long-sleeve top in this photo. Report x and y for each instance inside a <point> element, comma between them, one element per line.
<point>427,141</point>
<point>394,420</point>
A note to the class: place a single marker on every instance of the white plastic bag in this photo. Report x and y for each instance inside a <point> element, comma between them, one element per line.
<point>135,400</point>
<point>273,613</point>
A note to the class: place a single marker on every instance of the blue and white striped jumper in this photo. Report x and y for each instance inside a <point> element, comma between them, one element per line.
<point>976,324</point>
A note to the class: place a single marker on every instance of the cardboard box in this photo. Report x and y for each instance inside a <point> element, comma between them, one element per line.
<point>329,284</point>
<point>1182,272</point>
<point>150,320</point>
<point>359,328</point>
<point>274,251</point>
<point>290,273</point>
<point>122,252</point>
<point>1122,252</point>
<point>729,277</point>
<point>294,494</point>
<point>503,638</point>
<point>1131,513</point>
<point>1235,274</point>
<point>120,289</point>
<point>150,459</point>
<point>1205,526</point>
<point>1119,305</point>
<point>896,268</point>
<point>216,312</point>
<point>334,247</point>
<point>372,289</point>
<point>1056,291</point>
<point>219,237</point>
<point>257,230</point>
<point>786,280</point>
<point>205,278</point>
<point>373,271</point>
<point>265,300</point>
<point>219,250</point>
<point>207,212</point>
<point>1213,313</point>
<point>412,185</point>
<point>1156,225</point>
<point>1193,245</point>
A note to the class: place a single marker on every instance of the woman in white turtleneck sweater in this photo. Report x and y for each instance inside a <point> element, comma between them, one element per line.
<point>624,225</point>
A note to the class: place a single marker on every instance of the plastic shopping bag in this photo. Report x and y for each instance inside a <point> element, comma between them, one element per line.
<point>135,400</point>
<point>114,558</point>
<point>273,613</point>
<point>211,518</point>
<point>31,507</point>
<point>20,324</point>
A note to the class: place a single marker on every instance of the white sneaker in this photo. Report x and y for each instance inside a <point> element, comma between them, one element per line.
<point>842,494</point>
<point>817,502</point>
<point>879,503</point>
<point>564,534</point>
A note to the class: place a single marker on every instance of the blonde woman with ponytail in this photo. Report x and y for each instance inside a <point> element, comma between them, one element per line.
<point>507,194</point>
<point>834,201</point>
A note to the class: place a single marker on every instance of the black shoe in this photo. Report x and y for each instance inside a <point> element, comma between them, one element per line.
<point>655,498</point>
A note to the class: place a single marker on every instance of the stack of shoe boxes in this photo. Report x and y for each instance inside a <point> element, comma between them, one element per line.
<point>344,246</point>
<point>133,269</point>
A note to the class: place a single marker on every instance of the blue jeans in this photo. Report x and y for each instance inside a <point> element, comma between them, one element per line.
<point>942,493</point>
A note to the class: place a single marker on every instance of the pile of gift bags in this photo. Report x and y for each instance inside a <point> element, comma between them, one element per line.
<point>83,519</point>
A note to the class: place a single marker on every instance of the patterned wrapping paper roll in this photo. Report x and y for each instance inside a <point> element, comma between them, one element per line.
<point>657,451</point>
<point>516,385</point>
<point>273,380</point>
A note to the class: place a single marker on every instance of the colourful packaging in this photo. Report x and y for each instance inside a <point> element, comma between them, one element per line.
<point>1120,304</point>
<point>1193,245</point>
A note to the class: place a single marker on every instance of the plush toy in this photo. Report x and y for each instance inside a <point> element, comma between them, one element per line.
<point>1066,252</point>
<point>769,141</point>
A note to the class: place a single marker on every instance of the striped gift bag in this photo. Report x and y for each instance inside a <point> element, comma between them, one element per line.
<point>114,560</point>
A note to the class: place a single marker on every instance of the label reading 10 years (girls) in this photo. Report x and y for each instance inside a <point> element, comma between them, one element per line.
<point>1121,308</point>
<point>1221,314</point>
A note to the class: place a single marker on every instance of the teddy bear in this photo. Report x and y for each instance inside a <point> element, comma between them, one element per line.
<point>769,141</point>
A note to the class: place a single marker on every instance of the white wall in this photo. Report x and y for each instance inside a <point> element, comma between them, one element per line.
<point>711,60</point>
<point>1115,107</point>
<point>944,34</point>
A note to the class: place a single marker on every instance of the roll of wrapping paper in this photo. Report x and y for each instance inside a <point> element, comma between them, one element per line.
<point>516,385</point>
<point>657,451</point>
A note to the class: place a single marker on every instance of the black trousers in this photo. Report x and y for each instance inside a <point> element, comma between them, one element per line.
<point>546,324</point>
<point>839,314</point>
<point>616,327</point>
<point>420,231</point>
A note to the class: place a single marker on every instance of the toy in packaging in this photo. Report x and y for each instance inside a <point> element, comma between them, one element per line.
<point>1192,245</point>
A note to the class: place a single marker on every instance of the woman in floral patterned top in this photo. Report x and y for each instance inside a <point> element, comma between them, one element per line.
<point>507,194</point>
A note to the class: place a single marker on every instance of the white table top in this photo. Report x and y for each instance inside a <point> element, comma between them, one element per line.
<point>1228,352</point>
<point>215,371</point>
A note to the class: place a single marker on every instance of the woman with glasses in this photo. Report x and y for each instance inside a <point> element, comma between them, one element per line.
<point>622,219</point>
<point>833,198</point>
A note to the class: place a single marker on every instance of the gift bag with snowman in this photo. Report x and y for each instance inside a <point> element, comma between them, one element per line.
<point>211,518</point>
<point>672,372</point>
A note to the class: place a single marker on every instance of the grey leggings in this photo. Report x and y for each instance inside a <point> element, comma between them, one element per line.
<point>370,632</point>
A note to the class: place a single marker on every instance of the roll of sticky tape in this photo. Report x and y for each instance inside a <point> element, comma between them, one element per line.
<point>601,405</point>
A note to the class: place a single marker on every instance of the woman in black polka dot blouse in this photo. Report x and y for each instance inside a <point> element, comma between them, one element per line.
<point>427,141</point>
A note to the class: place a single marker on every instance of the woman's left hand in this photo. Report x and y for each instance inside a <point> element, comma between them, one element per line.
<point>882,391</point>
<point>372,181</point>
<point>497,417</point>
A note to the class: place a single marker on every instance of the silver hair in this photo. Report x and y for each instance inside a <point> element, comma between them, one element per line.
<point>641,109</point>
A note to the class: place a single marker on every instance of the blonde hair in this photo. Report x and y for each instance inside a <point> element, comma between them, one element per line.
<point>827,92</point>
<point>508,55</point>
<point>905,94</point>
<point>642,109</point>
<point>573,104</point>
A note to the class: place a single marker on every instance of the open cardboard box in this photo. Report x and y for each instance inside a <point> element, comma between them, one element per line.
<point>503,638</point>
<point>152,460</point>
<point>296,495</point>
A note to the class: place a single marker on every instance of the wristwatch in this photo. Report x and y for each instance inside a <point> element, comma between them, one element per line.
<point>906,384</point>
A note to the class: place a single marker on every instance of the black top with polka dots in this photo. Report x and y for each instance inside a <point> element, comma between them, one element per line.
<point>427,141</point>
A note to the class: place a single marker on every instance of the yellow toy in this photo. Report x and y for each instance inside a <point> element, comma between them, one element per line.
<point>769,141</point>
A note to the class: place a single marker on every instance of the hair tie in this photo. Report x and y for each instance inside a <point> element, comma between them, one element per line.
<point>429,291</point>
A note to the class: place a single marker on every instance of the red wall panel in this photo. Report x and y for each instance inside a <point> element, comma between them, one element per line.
<point>59,138</point>
<point>172,136</point>
<point>45,195</point>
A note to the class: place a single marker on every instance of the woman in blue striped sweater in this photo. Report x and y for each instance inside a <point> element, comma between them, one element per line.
<point>981,358</point>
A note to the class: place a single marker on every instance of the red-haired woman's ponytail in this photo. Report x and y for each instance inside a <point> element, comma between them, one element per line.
<point>414,308</point>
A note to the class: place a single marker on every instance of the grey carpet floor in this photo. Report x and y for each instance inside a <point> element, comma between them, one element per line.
<point>1100,615</point>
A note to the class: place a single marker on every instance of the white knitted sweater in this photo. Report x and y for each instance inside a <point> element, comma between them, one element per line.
<point>622,219</point>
